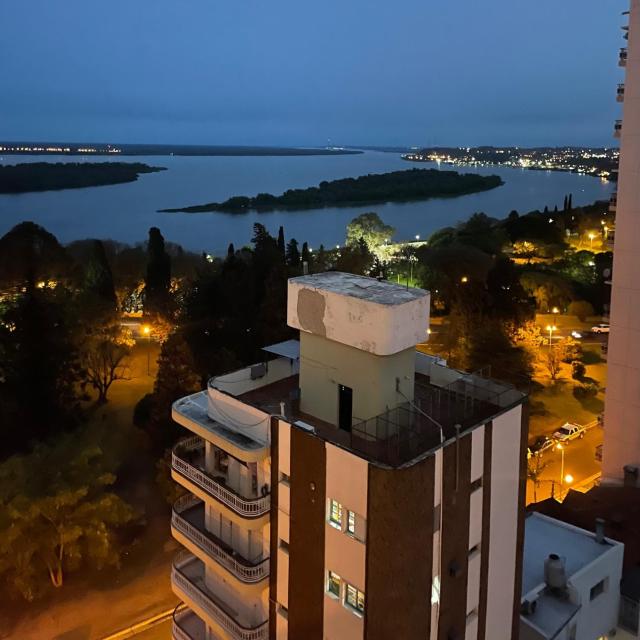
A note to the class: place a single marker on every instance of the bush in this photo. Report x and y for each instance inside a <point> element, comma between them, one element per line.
<point>142,411</point>
<point>570,350</point>
<point>581,309</point>
<point>578,370</point>
<point>584,391</point>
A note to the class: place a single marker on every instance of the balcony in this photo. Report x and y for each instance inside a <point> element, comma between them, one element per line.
<point>617,129</point>
<point>188,519</point>
<point>187,626</point>
<point>187,460</point>
<point>187,579</point>
<point>622,59</point>
<point>620,92</point>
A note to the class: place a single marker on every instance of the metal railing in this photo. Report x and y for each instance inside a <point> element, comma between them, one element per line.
<point>200,596</point>
<point>186,625</point>
<point>181,461</point>
<point>214,548</point>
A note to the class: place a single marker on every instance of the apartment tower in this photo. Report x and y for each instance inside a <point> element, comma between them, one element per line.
<point>348,486</point>
<point>622,402</point>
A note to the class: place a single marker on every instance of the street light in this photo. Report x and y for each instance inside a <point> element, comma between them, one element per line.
<point>591,237</point>
<point>568,479</point>
<point>417,236</point>
<point>464,279</point>
<point>146,329</point>
<point>560,448</point>
<point>551,328</point>
<point>555,310</point>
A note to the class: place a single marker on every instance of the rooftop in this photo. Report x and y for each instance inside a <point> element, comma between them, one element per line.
<point>370,289</point>
<point>401,434</point>
<point>544,535</point>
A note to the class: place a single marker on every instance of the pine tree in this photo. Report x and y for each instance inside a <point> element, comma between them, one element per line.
<point>281,243</point>
<point>231,252</point>
<point>99,289</point>
<point>292,254</point>
<point>570,203</point>
<point>565,203</point>
<point>158,278</point>
<point>306,254</point>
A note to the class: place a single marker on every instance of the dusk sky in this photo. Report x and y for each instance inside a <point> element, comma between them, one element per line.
<point>291,72</point>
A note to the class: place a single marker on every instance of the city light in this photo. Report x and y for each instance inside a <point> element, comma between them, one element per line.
<point>568,479</point>
<point>555,310</point>
<point>551,328</point>
<point>464,279</point>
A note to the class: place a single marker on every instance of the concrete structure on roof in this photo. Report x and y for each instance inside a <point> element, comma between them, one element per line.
<point>350,487</point>
<point>570,583</point>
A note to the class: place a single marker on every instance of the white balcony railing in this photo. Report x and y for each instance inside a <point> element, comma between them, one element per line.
<point>187,626</point>
<point>190,448</point>
<point>187,576</point>
<point>242,569</point>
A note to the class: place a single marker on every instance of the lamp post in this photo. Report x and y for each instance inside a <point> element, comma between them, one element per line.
<point>551,328</point>
<point>146,329</point>
<point>560,448</point>
<point>591,237</point>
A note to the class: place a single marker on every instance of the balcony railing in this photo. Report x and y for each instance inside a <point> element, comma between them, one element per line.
<point>620,92</point>
<point>182,460</point>
<point>187,626</point>
<point>622,60</point>
<point>187,576</point>
<point>617,128</point>
<point>250,572</point>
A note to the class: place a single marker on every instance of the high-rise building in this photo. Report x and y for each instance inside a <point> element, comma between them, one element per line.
<point>349,486</point>
<point>622,401</point>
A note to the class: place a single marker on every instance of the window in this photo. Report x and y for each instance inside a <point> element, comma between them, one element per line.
<point>354,598</point>
<point>335,514</point>
<point>351,523</point>
<point>285,479</point>
<point>333,584</point>
<point>284,545</point>
<point>597,589</point>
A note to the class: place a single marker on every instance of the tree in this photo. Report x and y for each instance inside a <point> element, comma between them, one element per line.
<point>320,263</point>
<point>370,228</point>
<point>581,309</point>
<point>578,370</point>
<point>105,358</point>
<point>292,254</point>
<point>306,254</point>
<point>158,278</point>
<point>535,467</point>
<point>99,291</point>
<point>281,241</point>
<point>61,518</point>
<point>231,251</point>
<point>553,361</point>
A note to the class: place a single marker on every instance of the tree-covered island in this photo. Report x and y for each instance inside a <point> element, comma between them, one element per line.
<point>396,186</point>
<point>49,176</point>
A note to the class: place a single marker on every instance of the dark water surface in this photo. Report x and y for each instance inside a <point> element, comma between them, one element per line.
<point>125,212</point>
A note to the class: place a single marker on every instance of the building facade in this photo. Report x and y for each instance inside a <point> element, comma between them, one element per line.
<point>622,402</point>
<point>370,491</point>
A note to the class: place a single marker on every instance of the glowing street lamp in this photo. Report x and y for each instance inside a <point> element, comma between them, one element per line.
<point>555,310</point>
<point>560,448</point>
<point>146,329</point>
<point>417,236</point>
<point>464,279</point>
<point>591,238</point>
<point>551,328</point>
<point>568,479</point>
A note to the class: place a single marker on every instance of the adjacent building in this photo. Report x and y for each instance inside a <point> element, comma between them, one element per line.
<point>622,402</point>
<point>571,581</point>
<point>350,487</point>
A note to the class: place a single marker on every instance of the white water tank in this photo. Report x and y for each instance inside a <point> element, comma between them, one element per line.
<point>555,574</point>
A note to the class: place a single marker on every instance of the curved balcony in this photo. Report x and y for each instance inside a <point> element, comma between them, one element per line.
<point>188,519</point>
<point>187,459</point>
<point>187,626</point>
<point>622,58</point>
<point>187,578</point>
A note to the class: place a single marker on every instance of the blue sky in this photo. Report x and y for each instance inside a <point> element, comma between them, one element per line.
<point>292,72</point>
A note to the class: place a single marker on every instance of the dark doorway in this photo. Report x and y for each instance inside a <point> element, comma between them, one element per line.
<point>345,407</point>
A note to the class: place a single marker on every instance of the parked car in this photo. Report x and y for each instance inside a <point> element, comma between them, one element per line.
<point>569,431</point>
<point>539,446</point>
<point>576,335</point>
<point>600,328</point>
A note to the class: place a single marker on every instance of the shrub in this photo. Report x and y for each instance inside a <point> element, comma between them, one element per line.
<point>581,309</point>
<point>584,391</point>
<point>578,370</point>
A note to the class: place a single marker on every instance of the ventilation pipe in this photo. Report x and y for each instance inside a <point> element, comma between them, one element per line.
<point>600,531</point>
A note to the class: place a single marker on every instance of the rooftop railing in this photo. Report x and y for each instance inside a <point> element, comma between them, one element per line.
<point>187,626</point>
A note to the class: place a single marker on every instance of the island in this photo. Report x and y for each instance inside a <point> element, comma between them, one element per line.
<point>396,186</point>
<point>48,176</point>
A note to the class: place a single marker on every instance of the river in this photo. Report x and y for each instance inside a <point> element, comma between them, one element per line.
<point>125,212</point>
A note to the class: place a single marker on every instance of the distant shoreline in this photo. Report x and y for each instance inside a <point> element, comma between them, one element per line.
<point>33,177</point>
<point>396,186</point>
<point>123,150</point>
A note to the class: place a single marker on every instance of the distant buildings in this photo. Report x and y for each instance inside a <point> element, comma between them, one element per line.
<point>349,487</point>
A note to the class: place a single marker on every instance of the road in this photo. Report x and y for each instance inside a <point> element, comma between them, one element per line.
<point>579,462</point>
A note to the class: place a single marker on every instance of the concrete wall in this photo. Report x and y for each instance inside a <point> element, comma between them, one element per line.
<point>239,382</point>
<point>324,364</point>
<point>622,402</point>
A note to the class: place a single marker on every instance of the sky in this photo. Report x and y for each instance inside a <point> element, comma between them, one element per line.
<point>295,72</point>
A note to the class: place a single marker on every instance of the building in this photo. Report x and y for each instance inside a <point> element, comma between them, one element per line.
<point>622,402</point>
<point>570,584</point>
<point>350,487</point>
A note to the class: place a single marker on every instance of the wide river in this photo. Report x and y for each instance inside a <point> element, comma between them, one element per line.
<point>125,212</point>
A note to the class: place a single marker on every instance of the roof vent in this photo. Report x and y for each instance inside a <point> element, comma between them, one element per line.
<point>600,531</point>
<point>555,574</point>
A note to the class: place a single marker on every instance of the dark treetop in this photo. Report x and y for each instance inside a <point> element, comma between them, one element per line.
<point>46,176</point>
<point>397,186</point>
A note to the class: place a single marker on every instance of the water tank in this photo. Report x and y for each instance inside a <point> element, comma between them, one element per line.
<point>555,574</point>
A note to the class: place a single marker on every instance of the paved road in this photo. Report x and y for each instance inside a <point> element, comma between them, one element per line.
<point>579,461</point>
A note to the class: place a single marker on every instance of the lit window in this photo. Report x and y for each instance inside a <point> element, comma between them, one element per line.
<point>333,584</point>
<point>435,591</point>
<point>354,598</point>
<point>351,523</point>
<point>335,514</point>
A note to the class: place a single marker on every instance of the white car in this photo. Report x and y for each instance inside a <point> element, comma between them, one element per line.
<point>600,328</point>
<point>569,431</point>
<point>576,334</point>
